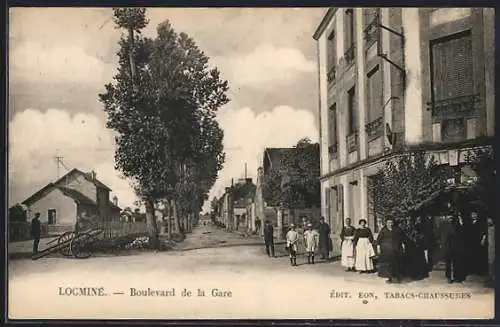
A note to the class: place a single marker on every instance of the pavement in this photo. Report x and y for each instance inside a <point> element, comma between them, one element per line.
<point>261,287</point>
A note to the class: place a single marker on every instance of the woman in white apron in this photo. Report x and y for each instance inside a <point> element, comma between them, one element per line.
<point>363,243</point>
<point>347,237</point>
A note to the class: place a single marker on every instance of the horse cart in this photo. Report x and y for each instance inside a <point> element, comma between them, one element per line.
<point>76,244</point>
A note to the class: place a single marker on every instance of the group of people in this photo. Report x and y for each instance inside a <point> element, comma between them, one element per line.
<point>393,254</point>
<point>314,239</point>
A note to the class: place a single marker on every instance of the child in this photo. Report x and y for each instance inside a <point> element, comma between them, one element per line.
<point>311,240</point>
<point>291,243</point>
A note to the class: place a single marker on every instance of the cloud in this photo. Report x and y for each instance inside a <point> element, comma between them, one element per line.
<point>264,65</point>
<point>247,134</point>
<point>63,63</point>
<point>82,140</point>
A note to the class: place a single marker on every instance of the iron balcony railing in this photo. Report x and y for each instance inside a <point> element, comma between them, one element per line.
<point>333,149</point>
<point>352,142</point>
<point>371,33</point>
<point>332,74</point>
<point>455,107</point>
<point>375,128</point>
<point>350,54</point>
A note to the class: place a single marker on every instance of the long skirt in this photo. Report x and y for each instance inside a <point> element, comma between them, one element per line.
<point>347,253</point>
<point>364,255</point>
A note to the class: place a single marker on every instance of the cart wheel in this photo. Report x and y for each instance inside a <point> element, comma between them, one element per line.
<point>81,246</point>
<point>65,251</point>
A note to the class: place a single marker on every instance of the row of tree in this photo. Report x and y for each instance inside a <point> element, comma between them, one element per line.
<point>162,106</point>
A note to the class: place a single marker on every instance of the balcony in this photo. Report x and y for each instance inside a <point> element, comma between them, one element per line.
<point>333,150</point>
<point>375,128</point>
<point>352,142</point>
<point>371,33</point>
<point>457,107</point>
<point>332,74</point>
<point>350,54</point>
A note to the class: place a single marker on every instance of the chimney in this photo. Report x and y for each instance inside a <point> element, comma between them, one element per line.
<point>93,175</point>
<point>115,200</point>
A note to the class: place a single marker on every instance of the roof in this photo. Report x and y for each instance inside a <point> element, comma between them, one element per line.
<point>113,206</point>
<point>87,176</point>
<point>272,157</point>
<point>324,23</point>
<point>75,195</point>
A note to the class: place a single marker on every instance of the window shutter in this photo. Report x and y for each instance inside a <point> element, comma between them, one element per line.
<point>327,202</point>
<point>332,124</point>
<point>341,204</point>
<point>452,67</point>
<point>332,51</point>
<point>334,219</point>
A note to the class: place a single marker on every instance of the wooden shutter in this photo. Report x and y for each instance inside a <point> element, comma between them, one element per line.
<point>334,219</point>
<point>332,124</point>
<point>327,203</point>
<point>341,204</point>
<point>331,51</point>
<point>452,67</point>
<point>349,28</point>
<point>375,94</point>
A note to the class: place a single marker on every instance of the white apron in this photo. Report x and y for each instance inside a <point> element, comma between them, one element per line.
<point>347,252</point>
<point>364,254</point>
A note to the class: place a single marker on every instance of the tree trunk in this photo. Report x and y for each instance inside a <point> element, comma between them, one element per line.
<point>131,54</point>
<point>151,224</point>
<point>177,224</point>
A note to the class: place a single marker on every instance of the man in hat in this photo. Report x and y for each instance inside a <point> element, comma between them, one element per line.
<point>311,239</point>
<point>35,231</point>
<point>269,238</point>
<point>292,237</point>
<point>324,238</point>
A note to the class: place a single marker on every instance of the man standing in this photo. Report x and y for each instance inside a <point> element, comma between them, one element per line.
<point>478,258</point>
<point>454,250</point>
<point>390,248</point>
<point>35,231</point>
<point>324,238</point>
<point>257,225</point>
<point>269,238</point>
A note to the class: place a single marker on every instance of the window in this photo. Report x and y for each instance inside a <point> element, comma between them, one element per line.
<point>375,94</point>
<point>349,35</point>
<point>331,57</point>
<point>452,78</point>
<point>51,214</point>
<point>332,129</point>
<point>352,126</point>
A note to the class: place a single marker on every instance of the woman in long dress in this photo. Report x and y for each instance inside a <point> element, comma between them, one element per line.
<point>363,243</point>
<point>390,242</point>
<point>347,237</point>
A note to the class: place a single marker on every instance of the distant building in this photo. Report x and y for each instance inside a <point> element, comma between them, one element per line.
<point>76,193</point>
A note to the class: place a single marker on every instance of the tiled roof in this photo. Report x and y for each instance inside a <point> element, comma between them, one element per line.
<point>87,176</point>
<point>273,156</point>
<point>75,195</point>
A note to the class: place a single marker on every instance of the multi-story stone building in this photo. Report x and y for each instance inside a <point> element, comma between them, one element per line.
<point>395,78</point>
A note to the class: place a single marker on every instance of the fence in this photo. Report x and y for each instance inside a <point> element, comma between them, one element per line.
<point>117,228</point>
<point>20,231</point>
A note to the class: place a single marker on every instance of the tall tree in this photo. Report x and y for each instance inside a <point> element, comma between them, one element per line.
<point>404,184</point>
<point>482,162</point>
<point>159,106</point>
<point>295,182</point>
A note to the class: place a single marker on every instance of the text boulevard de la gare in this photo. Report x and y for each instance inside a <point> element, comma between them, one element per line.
<point>146,292</point>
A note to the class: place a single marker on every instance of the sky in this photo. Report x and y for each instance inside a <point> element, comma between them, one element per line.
<point>61,58</point>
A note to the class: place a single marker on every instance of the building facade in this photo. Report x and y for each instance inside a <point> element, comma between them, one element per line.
<point>395,78</point>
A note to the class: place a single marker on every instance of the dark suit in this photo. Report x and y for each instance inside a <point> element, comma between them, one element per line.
<point>269,239</point>
<point>35,233</point>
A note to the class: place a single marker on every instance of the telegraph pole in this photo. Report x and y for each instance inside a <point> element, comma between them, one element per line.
<point>59,164</point>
